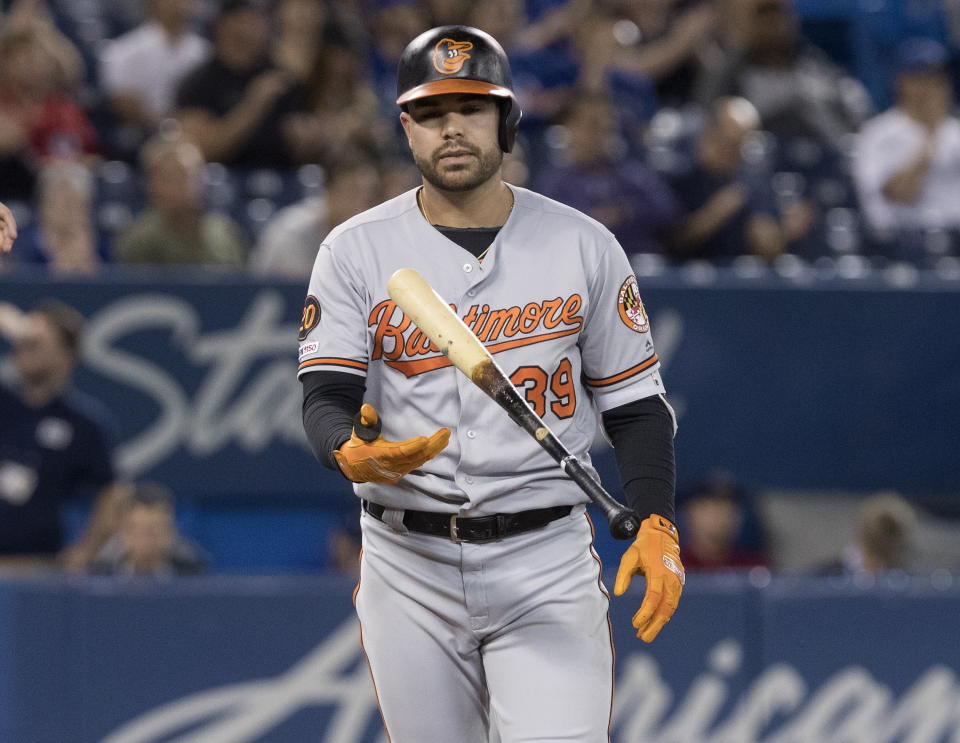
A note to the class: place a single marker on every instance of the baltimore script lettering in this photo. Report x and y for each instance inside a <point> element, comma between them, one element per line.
<point>498,329</point>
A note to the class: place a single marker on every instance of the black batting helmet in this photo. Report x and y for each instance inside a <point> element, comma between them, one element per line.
<point>460,59</point>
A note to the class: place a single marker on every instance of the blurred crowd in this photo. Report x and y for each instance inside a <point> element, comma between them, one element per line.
<point>723,527</point>
<point>235,133</point>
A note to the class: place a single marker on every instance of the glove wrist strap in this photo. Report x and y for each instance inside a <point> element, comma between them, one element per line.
<point>659,523</point>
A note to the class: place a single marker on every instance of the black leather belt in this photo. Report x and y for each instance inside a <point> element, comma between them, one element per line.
<point>476,528</point>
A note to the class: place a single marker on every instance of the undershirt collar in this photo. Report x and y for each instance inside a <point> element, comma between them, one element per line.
<point>472,239</point>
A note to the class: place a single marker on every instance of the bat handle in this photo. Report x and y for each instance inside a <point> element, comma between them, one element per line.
<point>365,432</point>
<point>624,522</point>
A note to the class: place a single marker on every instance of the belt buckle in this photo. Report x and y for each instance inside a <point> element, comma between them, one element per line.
<point>454,531</point>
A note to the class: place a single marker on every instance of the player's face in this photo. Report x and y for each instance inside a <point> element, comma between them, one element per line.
<point>454,139</point>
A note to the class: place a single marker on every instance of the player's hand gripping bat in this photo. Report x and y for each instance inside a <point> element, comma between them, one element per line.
<point>434,317</point>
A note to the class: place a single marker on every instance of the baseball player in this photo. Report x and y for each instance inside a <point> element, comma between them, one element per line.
<point>480,598</point>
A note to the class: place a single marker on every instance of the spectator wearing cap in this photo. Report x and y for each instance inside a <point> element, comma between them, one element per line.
<point>147,543</point>
<point>907,159</point>
<point>713,515</point>
<point>240,109</point>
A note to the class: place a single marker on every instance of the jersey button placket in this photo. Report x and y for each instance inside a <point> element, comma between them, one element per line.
<point>464,385</point>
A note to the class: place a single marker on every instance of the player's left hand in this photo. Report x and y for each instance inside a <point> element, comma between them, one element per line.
<point>368,457</point>
<point>655,553</point>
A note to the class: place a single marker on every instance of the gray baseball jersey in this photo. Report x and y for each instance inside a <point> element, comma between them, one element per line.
<point>512,634</point>
<point>554,300</point>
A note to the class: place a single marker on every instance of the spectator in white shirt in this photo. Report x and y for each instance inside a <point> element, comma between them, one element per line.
<point>907,159</point>
<point>140,70</point>
<point>290,241</point>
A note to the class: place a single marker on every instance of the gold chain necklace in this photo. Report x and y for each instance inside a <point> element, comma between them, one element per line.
<point>426,215</point>
<point>423,206</point>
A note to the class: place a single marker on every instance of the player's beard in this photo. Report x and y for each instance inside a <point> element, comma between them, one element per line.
<point>466,177</point>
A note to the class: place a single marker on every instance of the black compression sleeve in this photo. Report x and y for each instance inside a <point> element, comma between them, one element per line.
<point>642,436</point>
<point>330,400</point>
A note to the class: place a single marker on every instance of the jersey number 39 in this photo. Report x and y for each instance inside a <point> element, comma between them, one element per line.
<point>535,381</point>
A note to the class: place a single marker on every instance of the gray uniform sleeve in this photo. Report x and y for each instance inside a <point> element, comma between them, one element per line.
<point>620,363</point>
<point>333,326</point>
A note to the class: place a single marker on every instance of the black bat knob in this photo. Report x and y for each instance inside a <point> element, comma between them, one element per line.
<point>625,524</point>
<point>366,431</point>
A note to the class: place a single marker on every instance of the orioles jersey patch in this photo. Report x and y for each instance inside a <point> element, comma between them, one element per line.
<point>449,56</point>
<point>310,316</point>
<point>630,306</point>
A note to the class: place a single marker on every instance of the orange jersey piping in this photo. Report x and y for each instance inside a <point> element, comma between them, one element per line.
<point>606,381</point>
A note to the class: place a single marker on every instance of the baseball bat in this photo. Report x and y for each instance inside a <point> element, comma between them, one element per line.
<point>434,317</point>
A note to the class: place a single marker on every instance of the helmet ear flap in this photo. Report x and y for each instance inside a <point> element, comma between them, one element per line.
<point>509,123</point>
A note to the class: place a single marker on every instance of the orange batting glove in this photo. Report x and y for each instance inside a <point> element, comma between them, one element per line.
<point>656,554</point>
<point>368,457</point>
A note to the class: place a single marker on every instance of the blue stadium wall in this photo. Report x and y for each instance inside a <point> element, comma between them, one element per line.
<point>278,660</point>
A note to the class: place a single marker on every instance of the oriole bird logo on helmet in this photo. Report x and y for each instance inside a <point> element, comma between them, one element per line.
<point>449,55</point>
